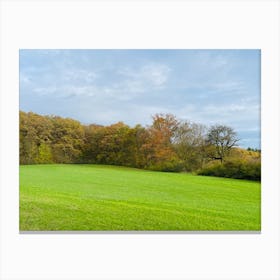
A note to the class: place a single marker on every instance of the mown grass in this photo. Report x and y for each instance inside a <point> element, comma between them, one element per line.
<point>96,197</point>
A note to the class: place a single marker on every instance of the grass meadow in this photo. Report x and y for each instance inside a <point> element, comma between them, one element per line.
<point>106,198</point>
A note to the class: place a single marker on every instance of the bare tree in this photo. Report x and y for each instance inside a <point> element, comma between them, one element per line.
<point>223,138</point>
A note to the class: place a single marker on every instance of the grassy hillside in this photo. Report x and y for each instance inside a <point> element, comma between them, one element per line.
<point>96,197</point>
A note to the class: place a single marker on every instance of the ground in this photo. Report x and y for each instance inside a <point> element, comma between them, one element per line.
<point>98,197</point>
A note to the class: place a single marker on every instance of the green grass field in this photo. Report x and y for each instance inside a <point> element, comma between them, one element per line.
<point>97,197</point>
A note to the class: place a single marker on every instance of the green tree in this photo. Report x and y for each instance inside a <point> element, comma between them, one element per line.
<point>44,154</point>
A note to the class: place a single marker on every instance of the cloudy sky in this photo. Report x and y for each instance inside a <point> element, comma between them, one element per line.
<point>107,86</point>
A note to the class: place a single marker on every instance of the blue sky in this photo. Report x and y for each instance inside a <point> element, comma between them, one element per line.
<point>107,86</point>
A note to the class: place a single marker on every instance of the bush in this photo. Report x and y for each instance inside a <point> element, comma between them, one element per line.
<point>167,166</point>
<point>238,169</point>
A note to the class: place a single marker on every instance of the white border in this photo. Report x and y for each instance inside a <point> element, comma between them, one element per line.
<point>146,24</point>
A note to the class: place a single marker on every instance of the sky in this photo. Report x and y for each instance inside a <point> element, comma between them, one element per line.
<point>106,86</point>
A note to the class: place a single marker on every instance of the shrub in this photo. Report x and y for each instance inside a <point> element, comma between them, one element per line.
<point>238,169</point>
<point>167,166</point>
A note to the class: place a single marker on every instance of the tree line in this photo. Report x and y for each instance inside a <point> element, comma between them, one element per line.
<point>168,144</point>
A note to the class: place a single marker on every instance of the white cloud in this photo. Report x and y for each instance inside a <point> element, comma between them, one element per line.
<point>228,86</point>
<point>214,61</point>
<point>80,75</point>
<point>157,74</point>
<point>80,82</point>
<point>45,90</point>
<point>152,74</point>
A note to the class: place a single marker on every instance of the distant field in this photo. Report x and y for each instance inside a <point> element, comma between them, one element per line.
<point>97,197</point>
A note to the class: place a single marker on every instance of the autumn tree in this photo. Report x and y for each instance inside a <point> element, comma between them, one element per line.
<point>190,144</point>
<point>67,139</point>
<point>158,148</point>
<point>117,145</point>
<point>35,138</point>
<point>167,124</point>
<point>168,144</point>
<point>93,135</point>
